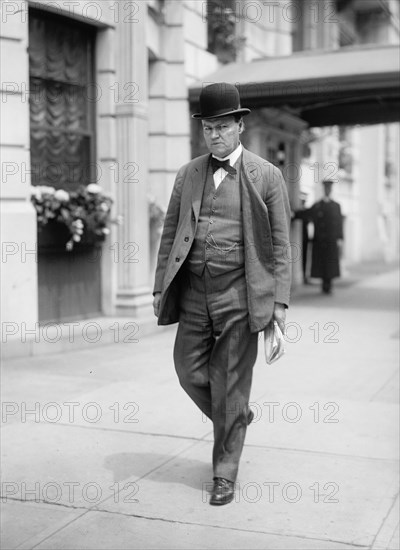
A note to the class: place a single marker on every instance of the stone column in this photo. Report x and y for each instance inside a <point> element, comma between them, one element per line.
<point>169,121</point>
<point>107,160</point>
<point>371,172</point>
<point>19,288</point>
<point>131,252</point>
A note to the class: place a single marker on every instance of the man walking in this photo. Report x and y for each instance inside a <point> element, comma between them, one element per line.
<point>328,237</point>
<point>223,272</point>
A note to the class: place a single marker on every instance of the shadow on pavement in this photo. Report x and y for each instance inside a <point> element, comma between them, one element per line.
<point>184,470</point>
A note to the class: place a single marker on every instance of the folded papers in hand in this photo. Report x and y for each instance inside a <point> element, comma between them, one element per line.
<point>273,342</point>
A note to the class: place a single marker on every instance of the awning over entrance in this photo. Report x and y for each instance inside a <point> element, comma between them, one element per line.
<point>347,86</point>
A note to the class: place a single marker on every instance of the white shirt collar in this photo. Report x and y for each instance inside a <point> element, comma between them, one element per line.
<point>232,157</point>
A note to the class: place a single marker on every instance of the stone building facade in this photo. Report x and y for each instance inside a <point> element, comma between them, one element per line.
<point>362,159</point>
<point>143,57</point>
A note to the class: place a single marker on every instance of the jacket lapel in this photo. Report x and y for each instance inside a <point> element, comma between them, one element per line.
<point>251,174</point>
<point>199,177</point>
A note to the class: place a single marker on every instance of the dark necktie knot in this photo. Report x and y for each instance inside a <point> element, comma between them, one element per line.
<point>216,164</point>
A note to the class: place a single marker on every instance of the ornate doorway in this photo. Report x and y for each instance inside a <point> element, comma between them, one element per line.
<point>62,142</point>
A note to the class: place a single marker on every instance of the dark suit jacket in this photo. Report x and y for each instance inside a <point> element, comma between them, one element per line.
<point>266,216</point>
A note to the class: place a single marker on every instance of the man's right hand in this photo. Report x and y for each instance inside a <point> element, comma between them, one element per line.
<point>156,303</point>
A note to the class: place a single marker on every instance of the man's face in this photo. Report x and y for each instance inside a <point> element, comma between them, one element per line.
<point>221,135</point>
<point>327,190</point>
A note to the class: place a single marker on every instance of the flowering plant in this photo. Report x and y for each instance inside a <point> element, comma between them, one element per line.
<point>156,214</point>
<point>223,39</point>
<point>86,209</point>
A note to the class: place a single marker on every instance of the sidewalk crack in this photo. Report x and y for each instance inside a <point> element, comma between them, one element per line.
<point>178,522</point>
<point>384,519</point>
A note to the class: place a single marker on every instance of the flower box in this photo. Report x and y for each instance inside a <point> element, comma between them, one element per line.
<point>79,218</point>
<point>55,235</point>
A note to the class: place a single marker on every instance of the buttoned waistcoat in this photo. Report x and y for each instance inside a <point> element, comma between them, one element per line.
<point>266,219</point>
<point>218,241</point>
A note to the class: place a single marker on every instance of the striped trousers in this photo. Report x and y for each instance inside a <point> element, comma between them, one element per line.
<point>214,355</point>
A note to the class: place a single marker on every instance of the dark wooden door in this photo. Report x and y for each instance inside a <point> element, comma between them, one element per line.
<point>69,284</point>
<point>62,114</point>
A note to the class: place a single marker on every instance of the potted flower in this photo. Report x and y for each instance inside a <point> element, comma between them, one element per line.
<point>67,218</point>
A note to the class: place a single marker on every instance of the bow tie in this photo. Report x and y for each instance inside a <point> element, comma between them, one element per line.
<point>216,164</point>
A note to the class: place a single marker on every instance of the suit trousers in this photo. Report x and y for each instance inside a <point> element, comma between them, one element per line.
<point>214,356</point>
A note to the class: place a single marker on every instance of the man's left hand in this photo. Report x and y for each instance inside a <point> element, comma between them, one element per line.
<point>280,315</point>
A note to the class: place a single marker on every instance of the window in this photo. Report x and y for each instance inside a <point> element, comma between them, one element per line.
<point>62,100</point>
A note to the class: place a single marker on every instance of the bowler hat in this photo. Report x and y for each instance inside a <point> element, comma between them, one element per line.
<point>218,100</point>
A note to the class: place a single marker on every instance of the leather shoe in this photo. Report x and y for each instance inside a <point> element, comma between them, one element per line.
<point>223,491</point>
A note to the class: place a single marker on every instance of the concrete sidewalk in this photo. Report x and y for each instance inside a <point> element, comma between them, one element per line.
<point>102,449</point>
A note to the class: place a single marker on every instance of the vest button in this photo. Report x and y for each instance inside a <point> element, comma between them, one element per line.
<point>177,259</point>
<point>186,239</point>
